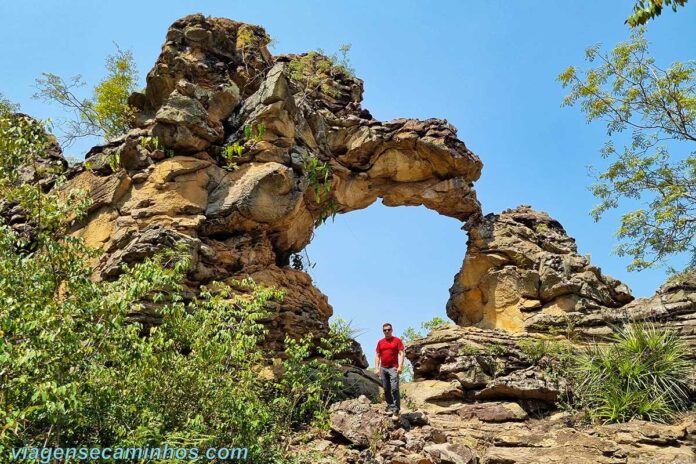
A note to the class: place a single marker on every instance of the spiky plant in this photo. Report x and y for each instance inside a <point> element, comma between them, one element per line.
<point>641,376</point>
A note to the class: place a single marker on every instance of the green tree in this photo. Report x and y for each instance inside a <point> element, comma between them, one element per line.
<point>6,106</point>
<point>106,113</point>
<point>657,167</point>
<point>645,10</point>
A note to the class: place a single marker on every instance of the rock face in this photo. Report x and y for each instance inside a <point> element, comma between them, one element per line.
<point>239,155</point>
<point>522,271</point>
<point>492,433</point>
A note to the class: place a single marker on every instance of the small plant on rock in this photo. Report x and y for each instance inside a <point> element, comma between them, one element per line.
<point>230,151</point>
<point>469,350</point>
<point>541,228</point>
<point>150,143</point>
<point>496,349</point>
<point>254,132</point>
<point>319,175</point>
<point>534,349</point>
<point>115,161</point>
<point>315,70</point>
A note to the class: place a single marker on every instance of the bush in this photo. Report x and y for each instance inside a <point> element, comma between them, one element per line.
<point>314,70</point>
<point>410,335</point>
<point>641,376</point>
<point>76,370</point>
<point>308,385</point>
<point>107,113</point>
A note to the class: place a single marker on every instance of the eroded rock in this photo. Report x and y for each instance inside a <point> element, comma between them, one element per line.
<point>468,363</point>
<point>224,158</point>
<point>522,268</point>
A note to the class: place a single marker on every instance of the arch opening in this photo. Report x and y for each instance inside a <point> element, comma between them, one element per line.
<point>385,264</point>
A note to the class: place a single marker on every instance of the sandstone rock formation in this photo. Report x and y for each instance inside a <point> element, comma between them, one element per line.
<point>522,268</point>
<point>523,273</point>
<point>489,433</point>
<point>465,364</point>
<point>237,156</point>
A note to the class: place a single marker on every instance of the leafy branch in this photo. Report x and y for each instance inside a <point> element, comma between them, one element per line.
<point>627,90</point>
<point>106,113</point>
<point>645,10</point>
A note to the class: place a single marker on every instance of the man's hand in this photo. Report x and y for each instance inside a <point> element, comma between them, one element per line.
<point>377,370</point>
<point>400,370</point>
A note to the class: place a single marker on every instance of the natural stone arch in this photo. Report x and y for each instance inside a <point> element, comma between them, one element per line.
<point>521,272</point>
<point>175,184</point>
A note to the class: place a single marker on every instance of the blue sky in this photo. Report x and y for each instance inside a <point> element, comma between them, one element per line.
<point>488,67</point>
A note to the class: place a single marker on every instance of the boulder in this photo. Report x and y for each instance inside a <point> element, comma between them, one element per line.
<point>448,453</point>
<point>522,272</point>
<point>468,363</point>
<point>358,422</point>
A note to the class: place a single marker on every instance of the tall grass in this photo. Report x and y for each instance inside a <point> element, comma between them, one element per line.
<point>642,375</point>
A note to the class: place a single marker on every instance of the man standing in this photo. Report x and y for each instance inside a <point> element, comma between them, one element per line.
<point>389,363</point>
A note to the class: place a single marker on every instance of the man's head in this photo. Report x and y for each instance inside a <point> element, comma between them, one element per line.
<point>387,329</point>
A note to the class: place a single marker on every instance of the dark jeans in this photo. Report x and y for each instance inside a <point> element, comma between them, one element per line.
<point>390,383</point>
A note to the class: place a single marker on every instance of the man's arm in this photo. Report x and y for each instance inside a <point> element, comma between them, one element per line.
<point>377,363</point>
<point>401,361</point>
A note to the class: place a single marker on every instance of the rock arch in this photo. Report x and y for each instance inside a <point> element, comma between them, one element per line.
<point>244,214</point>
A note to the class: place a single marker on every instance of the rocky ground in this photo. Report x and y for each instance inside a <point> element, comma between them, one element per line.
<point>495,432</point>
<point>238,155</point>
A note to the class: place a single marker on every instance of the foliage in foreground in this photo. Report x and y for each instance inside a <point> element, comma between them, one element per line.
<point>657,168</point>
<point>643,375</point>
<point>645,10</point>
<point>76,370</point>
<point>107,113</point>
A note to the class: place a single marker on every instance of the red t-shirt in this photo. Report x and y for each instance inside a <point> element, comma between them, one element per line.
<point>388,351</point>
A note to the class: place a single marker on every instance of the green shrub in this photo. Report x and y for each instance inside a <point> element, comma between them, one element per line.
<point>410,334</point>
<point>308,385</point>
<point>315,70</point>
<point>319,175</point>
<point>643,376</point>
<point>106,113</point>
<point>76,369</point>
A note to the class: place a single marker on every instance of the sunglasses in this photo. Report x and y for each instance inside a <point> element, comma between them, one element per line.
<point>386,330</point>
